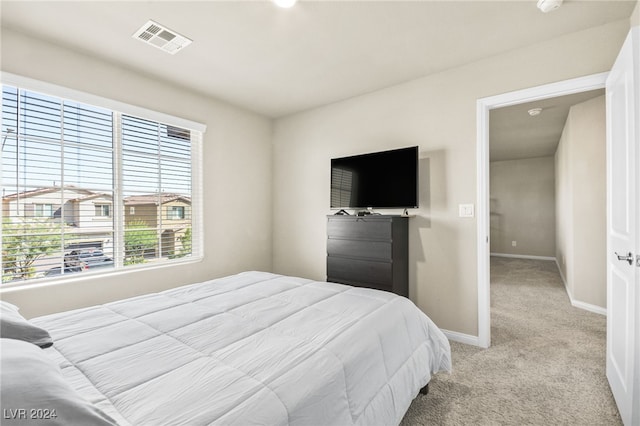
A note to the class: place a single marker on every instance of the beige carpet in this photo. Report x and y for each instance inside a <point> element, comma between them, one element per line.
<point>546,364</point>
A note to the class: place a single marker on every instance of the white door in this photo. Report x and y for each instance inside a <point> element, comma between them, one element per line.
<point>623,229</point>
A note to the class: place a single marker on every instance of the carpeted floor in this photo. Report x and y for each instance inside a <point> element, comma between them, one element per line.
<point>545,366</point>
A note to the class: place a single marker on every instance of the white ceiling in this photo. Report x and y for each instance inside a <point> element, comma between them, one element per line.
<point>281,61</point>
<point>514,134</point>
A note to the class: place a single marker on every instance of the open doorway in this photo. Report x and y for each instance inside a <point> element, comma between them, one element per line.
<point>548,220</point>
<point>485,107</point>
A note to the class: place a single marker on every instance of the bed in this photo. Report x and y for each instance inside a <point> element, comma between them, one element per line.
<point>252,348</point>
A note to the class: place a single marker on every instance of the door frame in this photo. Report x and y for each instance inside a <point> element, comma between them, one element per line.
<point>483,109</point>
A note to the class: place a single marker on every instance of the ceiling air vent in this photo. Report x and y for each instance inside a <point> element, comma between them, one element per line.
<point>161,37</point>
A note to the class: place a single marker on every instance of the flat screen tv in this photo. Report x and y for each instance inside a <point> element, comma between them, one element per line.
<point>386,179</point>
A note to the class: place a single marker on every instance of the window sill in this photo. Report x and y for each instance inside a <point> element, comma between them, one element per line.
<point>83,276</point>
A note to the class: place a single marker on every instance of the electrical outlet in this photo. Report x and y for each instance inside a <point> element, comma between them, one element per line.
<point>513,244</point>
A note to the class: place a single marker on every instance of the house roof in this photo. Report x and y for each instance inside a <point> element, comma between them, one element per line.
<point>42,191</point>
<point>93,196</point>
<point>143,199</point>
<point>146,199</point>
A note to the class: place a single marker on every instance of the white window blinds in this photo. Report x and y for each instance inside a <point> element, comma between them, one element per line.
<point>156,178</point>
<point>88,189</point>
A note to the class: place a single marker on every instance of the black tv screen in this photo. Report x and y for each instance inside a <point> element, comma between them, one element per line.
<point>386,179</point>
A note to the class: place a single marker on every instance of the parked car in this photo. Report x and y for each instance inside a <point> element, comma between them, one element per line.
<point>67,270</point>
<point>82,260</point>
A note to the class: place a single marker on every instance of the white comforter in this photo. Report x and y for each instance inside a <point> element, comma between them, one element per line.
<point>253,348</point>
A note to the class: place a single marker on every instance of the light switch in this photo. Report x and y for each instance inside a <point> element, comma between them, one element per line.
<point>465,210</point>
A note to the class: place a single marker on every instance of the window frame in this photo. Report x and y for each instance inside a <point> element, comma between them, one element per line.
<point>117,209</point>
<point>39,210</point>
<point>171,213</point>
<point>100,208</point>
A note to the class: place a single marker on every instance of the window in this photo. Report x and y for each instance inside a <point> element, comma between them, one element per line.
<point>71,154</point>
<point>43,210</point>
<point>103,210</point>
<point>175,212</point>
<point>341,187</point>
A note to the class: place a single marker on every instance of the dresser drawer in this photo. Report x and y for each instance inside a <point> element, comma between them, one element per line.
<point>359,271</point>
<point>369,251</point>
<point>375,250</point>
<point>359,228</point>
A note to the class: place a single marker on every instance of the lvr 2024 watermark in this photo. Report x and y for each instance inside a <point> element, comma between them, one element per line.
<point>28,414</point>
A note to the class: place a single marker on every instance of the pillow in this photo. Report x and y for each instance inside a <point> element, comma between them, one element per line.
<point>15,326</point>
<point>34,391</point>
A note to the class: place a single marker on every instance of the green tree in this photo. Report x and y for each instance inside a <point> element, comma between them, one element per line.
<point>185,241</point>
<point>138,239</point>
<point>24,242</point>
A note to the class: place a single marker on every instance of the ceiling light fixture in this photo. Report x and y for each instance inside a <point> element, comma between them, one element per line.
<point>547,6</point>
<point>534,111</point>
<point>285,4</point>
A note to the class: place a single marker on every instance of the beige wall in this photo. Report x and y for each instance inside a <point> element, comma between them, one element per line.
<point>635,16</point>
<point>146,213</point>
<point>437,113</point>
<point>522,198</point>
<point>237,210</point>
<point>581,204</point>
<point>564,208</point>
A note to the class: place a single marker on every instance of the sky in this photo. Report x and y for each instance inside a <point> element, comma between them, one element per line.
<point>64,142</point>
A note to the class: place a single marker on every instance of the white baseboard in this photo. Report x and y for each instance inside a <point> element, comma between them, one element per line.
<point>461,338</point>
<point>587,307</point>
<point>576,303</point>
<point>564,280</point>
<point>523,256</point>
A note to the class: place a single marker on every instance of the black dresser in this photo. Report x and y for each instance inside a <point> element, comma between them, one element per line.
<point>369,251</point>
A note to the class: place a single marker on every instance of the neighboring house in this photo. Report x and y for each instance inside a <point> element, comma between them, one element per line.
<point>169,213</point>
<point>87,214</point>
